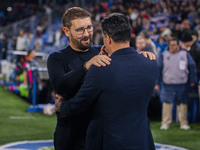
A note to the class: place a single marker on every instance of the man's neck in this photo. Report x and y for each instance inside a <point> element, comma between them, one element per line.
<point>117,46</point>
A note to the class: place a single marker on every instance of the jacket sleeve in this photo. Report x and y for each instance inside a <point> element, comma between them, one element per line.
<point>61,81</point>
<point>86,96</point>
<point>160,68</point>
<point>192,69</point>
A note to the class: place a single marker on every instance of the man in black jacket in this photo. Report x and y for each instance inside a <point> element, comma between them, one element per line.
<point>193,47</point>
<point>67,69</point>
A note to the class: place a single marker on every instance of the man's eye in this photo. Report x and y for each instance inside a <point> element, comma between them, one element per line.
<point>79,29</point>
<point>89,27</point>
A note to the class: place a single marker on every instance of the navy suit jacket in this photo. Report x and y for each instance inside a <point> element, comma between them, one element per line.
<point>119,94</point>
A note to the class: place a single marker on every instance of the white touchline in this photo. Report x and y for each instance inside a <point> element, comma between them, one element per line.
<point>21,117</point>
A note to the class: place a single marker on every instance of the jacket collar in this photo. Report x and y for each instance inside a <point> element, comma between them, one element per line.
<point>124,51</point>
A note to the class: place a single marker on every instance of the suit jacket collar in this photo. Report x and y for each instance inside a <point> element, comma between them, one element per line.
<point>124,51</point>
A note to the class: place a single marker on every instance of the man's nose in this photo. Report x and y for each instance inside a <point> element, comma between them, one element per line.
<point>86,33</point>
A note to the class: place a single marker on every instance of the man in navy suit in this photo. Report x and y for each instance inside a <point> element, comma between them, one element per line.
<point>119,94</point>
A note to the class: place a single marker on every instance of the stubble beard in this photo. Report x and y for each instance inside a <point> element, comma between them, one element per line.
<point>78,43</point>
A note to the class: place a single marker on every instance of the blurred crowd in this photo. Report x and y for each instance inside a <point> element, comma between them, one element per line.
<point>154,24</point>
<point>18,11</point>
<point>152,21</point>
<point>161,21</point>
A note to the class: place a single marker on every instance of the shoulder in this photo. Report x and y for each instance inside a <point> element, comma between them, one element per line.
<point>53,56</point>
<point>99,71</point>
<point>165,52</point>
<point>58,54</point>
<point>93,70</point>
<point>183,52</point>
<point>195,47</point>
<point>146,63</point>
<point>198,47</point>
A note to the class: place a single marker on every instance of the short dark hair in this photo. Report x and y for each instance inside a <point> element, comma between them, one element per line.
<point>174,39</point>
<point>74,13</point>
<point>117,26</point>
<point>186,36</point>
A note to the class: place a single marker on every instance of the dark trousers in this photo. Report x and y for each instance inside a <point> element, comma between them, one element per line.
<point>63,140</point>
<point>193,105</point>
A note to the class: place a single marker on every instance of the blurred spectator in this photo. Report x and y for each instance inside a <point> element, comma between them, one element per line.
<point>186,24</point>
<point>3,46</point>
<point>195,36</point>
<point>140,44</point>
<point>176,69</point>
<point>13,42</point>
<point>19,76</point>
<point>29,40</point>
<point>161,45</point>
<point>190,44</point>
<point>30,66</point>
<point>98,40</point>
<point>64,40</point>
<point>48,12</point>
<point>165,31</point>
<point>38,43</point>
<point>137,25</point>
<point>58,38</point>
<point>149,43</point>
<point>50,37</point>
<point>21,44</point>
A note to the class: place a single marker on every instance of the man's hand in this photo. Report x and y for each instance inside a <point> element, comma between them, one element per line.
<point>192,84</point>
<point>58,102</point>
<point>103,51</point>
<point>150,55</point>
<point>98,60</point>
<point>156,88</point>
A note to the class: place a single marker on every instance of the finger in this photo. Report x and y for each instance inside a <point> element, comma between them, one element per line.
<point>100,62</point>
<point>107,62</point>
<point>154,57</point>
<point>106,57</point>
<point>144,54</point>
<point>97,64</point>
<point>150,56</point>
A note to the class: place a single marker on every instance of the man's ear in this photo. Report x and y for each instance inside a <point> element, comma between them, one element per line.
<point>66,31</point>
<point>109,39</point>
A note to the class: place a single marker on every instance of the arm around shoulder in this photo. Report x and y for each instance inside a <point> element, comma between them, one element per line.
<point>86,96</point>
